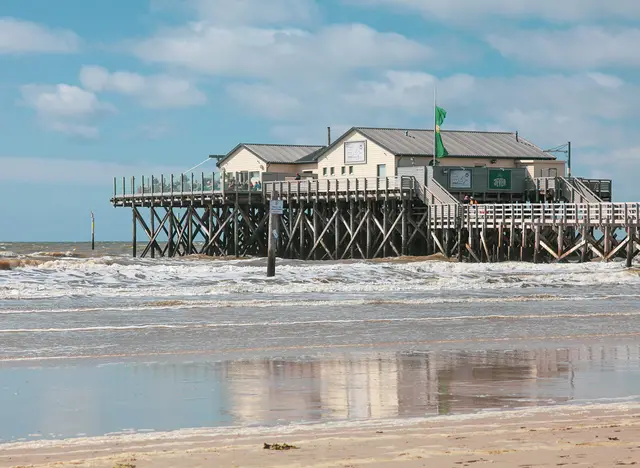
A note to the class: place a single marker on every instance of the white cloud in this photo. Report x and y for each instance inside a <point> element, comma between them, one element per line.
<point>156,91</point>
<point>590,95</point>
<point>551,10</point>
<point>255,11</point>
<point>265,100</point>
<point>19,37</point>
<point>583,47</point>
<point>279,53</point>
<point>605,80</point>
<point>66,109</point>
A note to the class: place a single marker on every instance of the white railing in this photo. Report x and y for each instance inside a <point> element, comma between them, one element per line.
<point>491,216</point>
<point>440,194</point>
<point>311,187</point>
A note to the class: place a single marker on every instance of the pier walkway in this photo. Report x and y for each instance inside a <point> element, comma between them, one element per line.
<point>376,217</point>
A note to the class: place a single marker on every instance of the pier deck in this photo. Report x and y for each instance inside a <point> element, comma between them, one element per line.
<point>372,217</point>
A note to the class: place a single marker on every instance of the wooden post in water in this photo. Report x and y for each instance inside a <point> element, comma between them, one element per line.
<point>405,228</point>
<point>93,232</point>
<point>536,245</point>
<point>630,246</point>
<point>134,239</point>
<point>274,228</point>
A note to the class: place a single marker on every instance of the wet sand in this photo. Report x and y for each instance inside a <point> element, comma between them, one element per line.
<point>594,436</point>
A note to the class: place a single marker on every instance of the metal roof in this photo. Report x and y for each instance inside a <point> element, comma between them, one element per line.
<point>286,154</point>
<point>419,142</point>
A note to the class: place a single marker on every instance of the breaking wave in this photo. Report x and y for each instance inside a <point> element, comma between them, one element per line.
<point>167,280</point>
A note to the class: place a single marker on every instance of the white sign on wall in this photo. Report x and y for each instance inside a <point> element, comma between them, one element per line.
<point>276,206</point>
<point>460,178</point>
<point>355,152</point>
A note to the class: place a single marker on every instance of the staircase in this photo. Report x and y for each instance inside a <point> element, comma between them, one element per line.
<point>600,187</point>
<point>575,191</point>
<point>434,194</point>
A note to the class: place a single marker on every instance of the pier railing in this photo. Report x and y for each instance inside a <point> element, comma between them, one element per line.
<point>492,216</point>
<point>209,185</point>
<point>323,187</point>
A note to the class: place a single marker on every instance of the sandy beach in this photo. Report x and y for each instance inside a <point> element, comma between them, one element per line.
<point>590,436</point>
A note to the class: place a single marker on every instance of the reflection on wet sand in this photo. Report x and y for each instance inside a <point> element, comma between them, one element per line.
<point>166,396</point>
<point>397,385</point>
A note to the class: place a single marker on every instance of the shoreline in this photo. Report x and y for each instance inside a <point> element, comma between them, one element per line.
<point>605,435</point>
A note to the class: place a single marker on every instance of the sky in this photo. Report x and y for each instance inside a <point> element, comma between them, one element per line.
<point>94,90</point>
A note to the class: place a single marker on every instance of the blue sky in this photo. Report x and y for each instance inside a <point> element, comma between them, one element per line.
<point>93,90</point>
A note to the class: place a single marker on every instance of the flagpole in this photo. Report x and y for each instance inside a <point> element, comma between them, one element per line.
<point>435,119</point>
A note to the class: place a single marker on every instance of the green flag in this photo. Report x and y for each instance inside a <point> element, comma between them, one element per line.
<point>441,151</point>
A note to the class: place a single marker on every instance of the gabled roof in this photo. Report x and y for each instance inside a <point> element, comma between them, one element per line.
<point>277,154</point>
<point>466,144</point>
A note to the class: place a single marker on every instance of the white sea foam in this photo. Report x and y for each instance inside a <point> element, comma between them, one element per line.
<point>113,277</point>
<point>298,323</point>
<point>307,303</point>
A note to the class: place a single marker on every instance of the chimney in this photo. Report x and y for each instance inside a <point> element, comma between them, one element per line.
<point>328,136</point>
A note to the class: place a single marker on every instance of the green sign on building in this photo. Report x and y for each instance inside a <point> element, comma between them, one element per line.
<point>499,179</point>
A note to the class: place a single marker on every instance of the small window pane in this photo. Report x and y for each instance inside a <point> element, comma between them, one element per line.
<point>350,170</point>
<point>343,171</point>
<point>333,171</point>
<point>324,171</point>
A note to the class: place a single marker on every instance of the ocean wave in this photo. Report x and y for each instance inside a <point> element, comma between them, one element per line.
<point>264,324</point>
<point>168,279</point>
<point>308,303</point>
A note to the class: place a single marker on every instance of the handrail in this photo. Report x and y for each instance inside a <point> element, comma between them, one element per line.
<point>441,194</point>
<point>212,184</point>
<point>576,187</point>
<point>379,185</point>
<point>494,215</point>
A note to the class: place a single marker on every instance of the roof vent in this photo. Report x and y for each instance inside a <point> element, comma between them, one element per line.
<point>517,137</point>
<point>406,133</point>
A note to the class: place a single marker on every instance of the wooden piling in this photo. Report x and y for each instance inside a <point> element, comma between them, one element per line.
<point>134,236</point>
<point>630,246</point>
<point>536,246</point>
<point>273,234</point>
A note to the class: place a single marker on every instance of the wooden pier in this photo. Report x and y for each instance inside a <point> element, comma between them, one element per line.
<point>333,219</point>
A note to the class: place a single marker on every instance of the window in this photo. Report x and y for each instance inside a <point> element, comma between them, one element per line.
<point>343,171</point>
<point>382,170</point>
<point>350,170</point>
<point>324,171</point>
<point>333,171</point>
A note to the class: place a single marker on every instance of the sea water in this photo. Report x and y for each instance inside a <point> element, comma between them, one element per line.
<point>94,342</point>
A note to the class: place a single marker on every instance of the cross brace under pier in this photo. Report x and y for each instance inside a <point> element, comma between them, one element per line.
<point>372,228</point>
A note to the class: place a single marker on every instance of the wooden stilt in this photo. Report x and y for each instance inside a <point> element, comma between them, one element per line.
<point>170,250</point>
<point>536,245</point>
<point>190,229</point>
<point>352,227</point>
<point>512,240</point>
<point>500,253</point>
<point>369,240</point>
<point>134,237</point>
<point>152,224</point>
<point>336,229</point>
<point>630,246</point>
<point>447,243</point>
<point>405,228</point>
